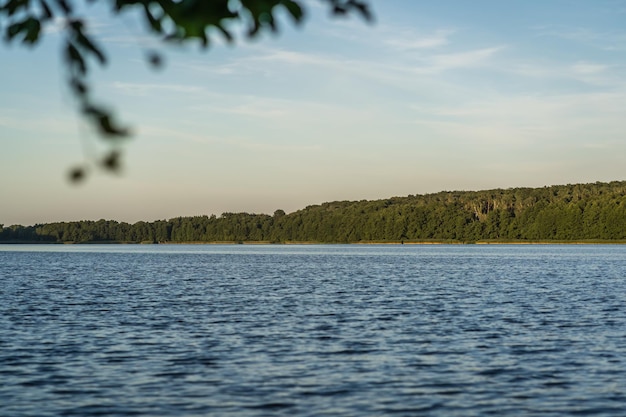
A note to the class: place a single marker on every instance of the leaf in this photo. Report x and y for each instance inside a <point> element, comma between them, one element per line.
<point>29,28</point>
<point>14,6</point>
<point>64,5</point>
<point>339,10</point>
<point>47,13</point>
<point>86,43</point>
<point>155,59</point>
<point>154,23</point>
<point>108,127</point>
<point>77,174</point>
<point>112,161</point>
<point>33,29</point>
<point>104,122</point>
<point>362,8</point>
<point>75,59</point>
<point>14,30</point>
<point>79,87</point>
<point>227,35</point>
<point>90,110</point>
<point>294,10</point>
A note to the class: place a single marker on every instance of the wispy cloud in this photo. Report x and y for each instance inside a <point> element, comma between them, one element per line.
<point>299,58</point>
<point>257,110</point>
<point>609,41</point>
<point>190,134</point>
<point>26,121</point>
<point>591,118</point>
<point>464,59</point>
<point>392,71</point>
<point>594,74</point>
<point>586,68</point>
<point>257,146</point>
<point>409,40</point>
<point>288,113</point>
<point>142,89</point>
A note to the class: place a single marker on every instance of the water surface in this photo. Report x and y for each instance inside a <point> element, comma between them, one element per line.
<point>242,330</point>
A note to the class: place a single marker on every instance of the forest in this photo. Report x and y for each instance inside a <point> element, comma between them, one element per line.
<point>578,212</point>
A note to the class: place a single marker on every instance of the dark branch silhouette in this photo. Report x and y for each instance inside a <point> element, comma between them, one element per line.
<point>170,21</point>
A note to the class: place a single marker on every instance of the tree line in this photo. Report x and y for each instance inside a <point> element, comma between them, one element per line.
<point>557,213</point>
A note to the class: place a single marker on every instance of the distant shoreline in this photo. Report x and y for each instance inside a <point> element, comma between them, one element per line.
<point>399,243</point>
<point>567,214</point>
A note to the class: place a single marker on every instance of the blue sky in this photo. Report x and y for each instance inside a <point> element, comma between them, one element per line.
<point>446,95</point>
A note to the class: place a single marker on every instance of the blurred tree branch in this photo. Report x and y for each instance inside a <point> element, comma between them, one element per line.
<point>171,21</point>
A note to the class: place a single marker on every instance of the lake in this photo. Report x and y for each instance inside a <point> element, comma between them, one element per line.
<point>337,330</point>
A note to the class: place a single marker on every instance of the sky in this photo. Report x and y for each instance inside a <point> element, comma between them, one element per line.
<point>433,96</point>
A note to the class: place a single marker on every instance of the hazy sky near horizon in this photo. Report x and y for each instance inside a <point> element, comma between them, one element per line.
<point>446,95</point>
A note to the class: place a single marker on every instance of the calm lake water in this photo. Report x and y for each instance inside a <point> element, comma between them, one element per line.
<point>242,330</point>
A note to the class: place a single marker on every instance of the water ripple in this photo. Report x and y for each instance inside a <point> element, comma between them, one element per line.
<point>331,330</point>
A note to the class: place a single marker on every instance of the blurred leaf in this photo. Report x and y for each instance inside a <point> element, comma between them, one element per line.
<point>75,59</point>
<point>294,10</point>
<point>344,7</point>
<point>77,174</point>
<point>91,110</point>
<point>33,28</point>
<point>227,35</point>
<point>65,6</point>
<point>29,28</point>
<point>155,23</point>
<point>14,6</point>
<point>13,30</point>
<point>104,122</point>
<point>47,12</point>
<point>87,44</point>
<point>112,161</point>
<point>78,86</point>
<point>363,9</point>
<point>109,128</point>
<point>155,59</point>
<point>339,10</point>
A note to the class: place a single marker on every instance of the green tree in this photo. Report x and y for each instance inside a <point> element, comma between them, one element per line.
<point>171,21</point>
<point>586,211</point>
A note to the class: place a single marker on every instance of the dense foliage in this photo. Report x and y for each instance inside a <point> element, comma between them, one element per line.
<point>567,212</point>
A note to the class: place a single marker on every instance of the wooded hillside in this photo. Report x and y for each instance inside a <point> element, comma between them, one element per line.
<point>565,213</point>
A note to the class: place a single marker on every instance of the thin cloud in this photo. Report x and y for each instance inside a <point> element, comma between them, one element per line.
<point>608,41</point>
<point>299,58</point>
<point>251,110</point>
<point>395,72</point>
<point>142,89</point>
<point>234,67</point>
<point>155,130</point>
<point>288,112</point>
<point>273,147</point>
<point>408,40</point>
<point>527,119</point>
<point>46,125</point>
<point>587,68</point>
<point>590,73</point>
<point>467,59</point>
<point>435,65</point>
